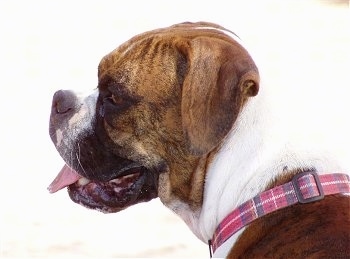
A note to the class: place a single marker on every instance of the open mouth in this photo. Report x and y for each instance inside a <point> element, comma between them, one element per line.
<point>132,186</point>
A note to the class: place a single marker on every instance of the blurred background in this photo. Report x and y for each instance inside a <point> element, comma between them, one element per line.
<point>51,45</point>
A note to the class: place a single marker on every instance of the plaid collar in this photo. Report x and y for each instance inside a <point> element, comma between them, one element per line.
<point>305,187</point>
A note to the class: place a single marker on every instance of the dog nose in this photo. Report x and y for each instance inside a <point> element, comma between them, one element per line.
<point>63,101</point>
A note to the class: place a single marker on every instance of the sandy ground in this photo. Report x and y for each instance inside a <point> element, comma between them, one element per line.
<point>49,45</point>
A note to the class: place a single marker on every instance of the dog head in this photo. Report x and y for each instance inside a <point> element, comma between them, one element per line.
<point>165,101</point>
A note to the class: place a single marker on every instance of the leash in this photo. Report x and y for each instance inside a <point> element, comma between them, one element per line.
<point>304,188</point>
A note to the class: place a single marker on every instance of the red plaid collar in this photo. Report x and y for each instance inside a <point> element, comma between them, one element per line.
<point>305,187</point>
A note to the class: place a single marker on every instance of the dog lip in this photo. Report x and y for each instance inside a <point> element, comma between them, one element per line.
<point>127,170</point>
<point>120,168</point>
<point>136,185</point>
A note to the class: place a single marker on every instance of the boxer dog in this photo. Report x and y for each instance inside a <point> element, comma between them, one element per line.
<point>178,114</point>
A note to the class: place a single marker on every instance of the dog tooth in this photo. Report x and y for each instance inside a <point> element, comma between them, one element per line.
<point>117,189</point>
<point>116,181</point>
<point>83,181</point>
<point>129,176</point>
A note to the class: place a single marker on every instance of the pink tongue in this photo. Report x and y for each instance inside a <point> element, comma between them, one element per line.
<point>64,178</point>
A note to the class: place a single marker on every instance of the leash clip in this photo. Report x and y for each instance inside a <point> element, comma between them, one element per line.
<point>298,192</point>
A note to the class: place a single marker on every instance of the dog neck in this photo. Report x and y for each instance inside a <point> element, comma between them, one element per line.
<point>236,181</point>
<point>261,148</point>
<point>254,154</point>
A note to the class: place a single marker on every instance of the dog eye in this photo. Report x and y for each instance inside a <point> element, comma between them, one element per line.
<point>117,99</point>
<point>114,99</point>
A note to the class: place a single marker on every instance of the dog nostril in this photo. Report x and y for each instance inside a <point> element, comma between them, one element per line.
<point>63,102</point>
<point>61,108</point>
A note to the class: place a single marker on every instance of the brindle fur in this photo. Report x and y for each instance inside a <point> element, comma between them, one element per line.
<point>182,92</point>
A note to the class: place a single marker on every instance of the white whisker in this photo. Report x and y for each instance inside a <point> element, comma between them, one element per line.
<point>78,158</point>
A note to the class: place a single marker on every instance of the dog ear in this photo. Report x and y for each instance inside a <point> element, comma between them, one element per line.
<point>220,77</point>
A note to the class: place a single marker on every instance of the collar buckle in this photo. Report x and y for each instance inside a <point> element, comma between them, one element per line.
<point>298,191</point>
